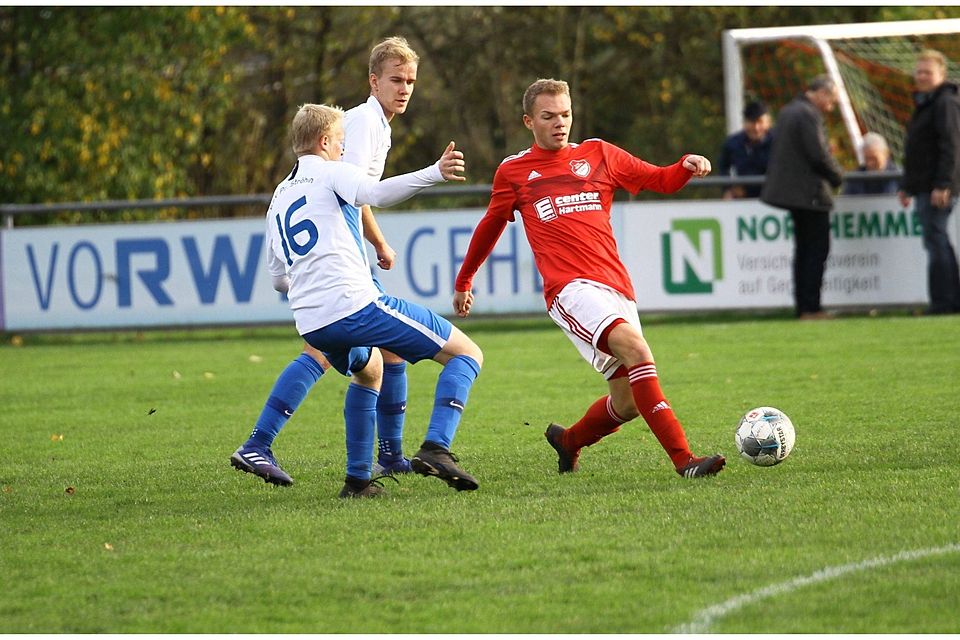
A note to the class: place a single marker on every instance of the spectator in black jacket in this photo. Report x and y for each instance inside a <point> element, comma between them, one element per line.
<point>747,152</point>
<point>800,175</point>
<point>876,157</point>
<point>931,174</point>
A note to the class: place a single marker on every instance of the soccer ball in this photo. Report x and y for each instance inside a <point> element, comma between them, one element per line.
<point>765,436</point>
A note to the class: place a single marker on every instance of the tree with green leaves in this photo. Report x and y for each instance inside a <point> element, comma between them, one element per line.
<point>155,102</point>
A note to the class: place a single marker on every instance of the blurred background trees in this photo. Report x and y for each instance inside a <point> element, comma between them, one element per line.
<point>150,102</point>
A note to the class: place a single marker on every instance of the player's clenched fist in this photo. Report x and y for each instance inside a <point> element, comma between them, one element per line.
<point>698,165</point>
<point>462,301</point>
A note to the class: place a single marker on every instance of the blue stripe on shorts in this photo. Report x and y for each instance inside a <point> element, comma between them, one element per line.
<point>409,330</point>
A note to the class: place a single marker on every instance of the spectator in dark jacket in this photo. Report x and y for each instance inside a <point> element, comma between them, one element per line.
<point>800,175</point>
<point>931,174</point>
<point>876,157</point>
<point>747,152</point>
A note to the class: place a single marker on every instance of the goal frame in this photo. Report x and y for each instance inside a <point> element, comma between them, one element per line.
<point>819,35</point>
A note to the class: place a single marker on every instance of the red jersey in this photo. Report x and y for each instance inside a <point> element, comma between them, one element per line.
<point>564,198</point>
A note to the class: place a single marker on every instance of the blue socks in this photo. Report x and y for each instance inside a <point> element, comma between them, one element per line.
<point>453,388</point>
<point>360,416</point>
<point>288,392</point>
<point>391,410</point>
<point>365,410</point>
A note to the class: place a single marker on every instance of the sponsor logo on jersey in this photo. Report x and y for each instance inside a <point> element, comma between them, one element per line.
<point>533,175</point>
<point>580,168</point>
<point>545,210</point>
<point>549,208</point>
<point>579,202</point>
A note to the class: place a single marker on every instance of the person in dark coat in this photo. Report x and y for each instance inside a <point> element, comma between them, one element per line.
<point>747,152</point>
<point>931,174</point>
<point>801,176</point>
<point>876,157</point>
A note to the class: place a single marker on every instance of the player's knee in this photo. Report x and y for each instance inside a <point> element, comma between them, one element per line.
<point>460,344</point>
<point>472,350</point>
<point>371,374</point>
<point>629,345</point>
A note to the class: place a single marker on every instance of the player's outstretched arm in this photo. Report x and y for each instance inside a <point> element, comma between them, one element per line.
<point>391,191</point>
<point>484,238</point>
<point>697,165</point>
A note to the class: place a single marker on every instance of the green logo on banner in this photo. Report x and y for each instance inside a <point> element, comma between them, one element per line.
<point>692,256</point>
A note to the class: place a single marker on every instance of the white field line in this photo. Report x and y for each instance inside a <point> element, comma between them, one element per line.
<point>706,617</point>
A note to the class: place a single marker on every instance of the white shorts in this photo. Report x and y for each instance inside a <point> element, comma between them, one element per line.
<point>583,309</point>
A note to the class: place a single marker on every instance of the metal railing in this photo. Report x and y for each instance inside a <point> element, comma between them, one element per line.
<point>9,211</point>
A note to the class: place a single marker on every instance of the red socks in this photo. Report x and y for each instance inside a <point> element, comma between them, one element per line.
<point>600,420</point>
<point>657,412</point>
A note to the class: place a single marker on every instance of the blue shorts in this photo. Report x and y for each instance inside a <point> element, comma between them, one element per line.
<point>349,361</point>
<point>409,330</point>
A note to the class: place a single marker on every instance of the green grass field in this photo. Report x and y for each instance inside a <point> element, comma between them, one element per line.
<point>134,521</point>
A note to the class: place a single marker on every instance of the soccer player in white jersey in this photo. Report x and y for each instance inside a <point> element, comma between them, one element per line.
<point>315,254</point>
<point>392,75</point>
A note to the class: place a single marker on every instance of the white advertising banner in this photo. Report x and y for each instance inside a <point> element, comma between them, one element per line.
<point>682,255</point>
<point>738,254</point>
<point>136,275</point>
<point>430,249</point>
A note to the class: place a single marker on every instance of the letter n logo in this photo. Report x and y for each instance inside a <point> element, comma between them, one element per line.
<point>692,256</point>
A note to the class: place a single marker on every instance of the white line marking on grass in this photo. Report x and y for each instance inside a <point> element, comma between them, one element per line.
<point>706,617</point>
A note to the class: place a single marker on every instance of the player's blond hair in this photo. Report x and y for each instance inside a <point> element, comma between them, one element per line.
<point>393,48</point>
<point>311,122</point>
<point>543,85</point>
<point>934,56</point>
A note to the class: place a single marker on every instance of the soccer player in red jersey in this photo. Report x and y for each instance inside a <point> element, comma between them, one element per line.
<point>563,192</point>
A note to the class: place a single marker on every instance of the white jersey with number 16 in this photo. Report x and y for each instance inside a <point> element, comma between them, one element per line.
<point>314,237</point>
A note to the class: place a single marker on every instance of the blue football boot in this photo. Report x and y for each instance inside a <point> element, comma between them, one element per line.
<point>389,466</point>
<point>260,462</point>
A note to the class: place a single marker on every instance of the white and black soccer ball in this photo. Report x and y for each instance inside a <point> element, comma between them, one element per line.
<point>765,436</point>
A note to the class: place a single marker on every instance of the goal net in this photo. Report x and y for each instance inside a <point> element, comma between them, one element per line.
<point>872,64</point>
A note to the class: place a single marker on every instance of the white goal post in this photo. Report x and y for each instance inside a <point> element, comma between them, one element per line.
<point>734,41</point>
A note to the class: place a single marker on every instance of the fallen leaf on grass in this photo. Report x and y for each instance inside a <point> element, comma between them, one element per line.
<point>176,375</point>
<point>208,375</point>
<point>108,546</point>
<point>255,358</point>
<point>151,412</point>
<point>70,491</point>
<point>7,488</point>
<point>56,437</point>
